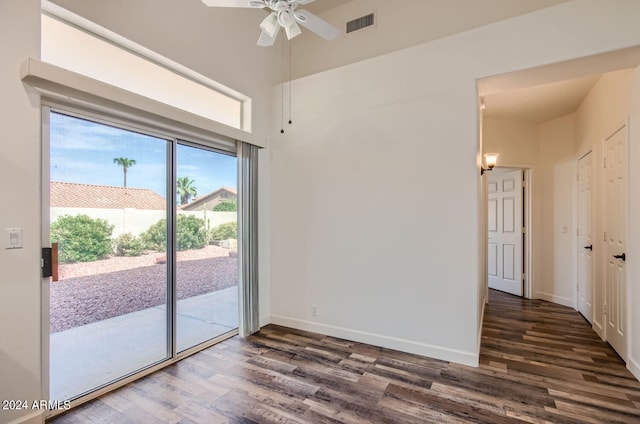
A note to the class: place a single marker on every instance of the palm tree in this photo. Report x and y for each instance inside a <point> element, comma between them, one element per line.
<point>125,164</point>
<point>185,189</point>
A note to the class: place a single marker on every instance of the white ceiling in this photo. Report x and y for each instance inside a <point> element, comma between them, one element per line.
<point>537,97</point>
<point>532,103</point>
<point>549,92</point>
<point>320,6</point>
<point>399,24</point>
<point>539,103</point>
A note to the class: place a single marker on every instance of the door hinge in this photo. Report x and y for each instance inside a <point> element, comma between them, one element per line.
<point>604,309</point>
<point>524,230</point>
<point>524,276</point>
<point>605,162</point>
<point>605,236</point>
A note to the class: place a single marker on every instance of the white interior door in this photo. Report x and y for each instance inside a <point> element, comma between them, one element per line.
<point>585,240</point>
<point>615,192</point>
<point>505,231</point>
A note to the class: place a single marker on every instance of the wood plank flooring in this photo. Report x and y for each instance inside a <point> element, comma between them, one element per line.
<point>539,363</point>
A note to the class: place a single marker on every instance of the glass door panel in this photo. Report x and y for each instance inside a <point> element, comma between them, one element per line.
<point>108,211</point>
<point>206,243</point>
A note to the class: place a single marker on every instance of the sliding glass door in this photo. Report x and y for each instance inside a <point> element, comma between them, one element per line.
<point>146,234</point>
<point>207,266</point>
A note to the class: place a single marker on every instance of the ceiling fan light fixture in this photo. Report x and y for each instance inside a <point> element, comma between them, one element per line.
<point>282,14</point>
<point>293,30</point>
<point>270,25</point>
<point>285,18</point>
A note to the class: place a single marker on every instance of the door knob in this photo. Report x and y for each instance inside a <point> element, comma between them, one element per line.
<point>623,257</point>
<point>590,247</point>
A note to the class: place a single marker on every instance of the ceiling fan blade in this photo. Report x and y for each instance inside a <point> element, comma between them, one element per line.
<point>235,3</point>
<point>316,25</point>
<point>266,40</point>
<point>301,2</point>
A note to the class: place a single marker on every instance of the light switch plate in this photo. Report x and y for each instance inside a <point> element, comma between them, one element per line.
<point>13,238</point>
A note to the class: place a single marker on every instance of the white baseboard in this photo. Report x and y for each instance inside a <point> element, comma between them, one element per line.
<point>598,328</point>
<point>634,367</point>
<point>565,301</point>
<point>409,346</point>
<point>33,418</point>
<point>484,305</point>
<point>265,321</point>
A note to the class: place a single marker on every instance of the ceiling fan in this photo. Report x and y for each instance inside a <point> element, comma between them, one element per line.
<point>284,14</point>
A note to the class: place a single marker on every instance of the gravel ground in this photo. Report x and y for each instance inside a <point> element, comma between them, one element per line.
<point>122,289</point>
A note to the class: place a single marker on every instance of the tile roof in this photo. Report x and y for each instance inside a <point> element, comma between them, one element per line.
<point>205,198</point>
<point>74,195</point>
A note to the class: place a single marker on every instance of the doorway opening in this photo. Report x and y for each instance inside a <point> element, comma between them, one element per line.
<point>554,136</point>
<point>509,228</point>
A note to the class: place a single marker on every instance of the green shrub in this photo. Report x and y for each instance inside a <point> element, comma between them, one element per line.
<point>128,245</point>
<point>81,238</point>
<point>190,234</point>
<point>226,206</point>
<point>225,231</point>
<point>155,238</point>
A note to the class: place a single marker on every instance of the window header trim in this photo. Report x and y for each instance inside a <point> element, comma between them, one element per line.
<point>76,89</point>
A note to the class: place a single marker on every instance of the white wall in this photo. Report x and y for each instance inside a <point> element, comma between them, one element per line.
<point>518,145</point>
<point>20,157</point>
<point>137,221</point>
<point>614,99</point>
<point>421,21</point>
<point>396,136</point>
<point>517,142</point>
<point>549,150</point>
<point>606,106</point>
<point>633,268</point>
<point>264,218</point>
<point>556,186</point>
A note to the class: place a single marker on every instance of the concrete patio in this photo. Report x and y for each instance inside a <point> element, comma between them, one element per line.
<point>92,355</point>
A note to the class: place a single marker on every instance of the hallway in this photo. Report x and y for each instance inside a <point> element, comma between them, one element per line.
<point>571,373</point>
<point>539,363</point>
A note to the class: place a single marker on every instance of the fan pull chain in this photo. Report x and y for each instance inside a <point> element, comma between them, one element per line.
<point>282,86</point>
<point>290,60</point>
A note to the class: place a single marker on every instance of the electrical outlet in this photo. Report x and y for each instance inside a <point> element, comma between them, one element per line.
<point>314,311</point>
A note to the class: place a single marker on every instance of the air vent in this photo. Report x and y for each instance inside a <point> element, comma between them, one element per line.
<point>360,23</point>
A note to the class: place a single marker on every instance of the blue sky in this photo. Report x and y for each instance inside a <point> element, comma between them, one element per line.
<point>83,152</point>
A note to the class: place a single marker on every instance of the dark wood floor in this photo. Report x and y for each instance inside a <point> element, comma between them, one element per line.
<point>539,363</point>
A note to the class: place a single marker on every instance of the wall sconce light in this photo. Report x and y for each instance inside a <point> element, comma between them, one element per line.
<point>490,159</point>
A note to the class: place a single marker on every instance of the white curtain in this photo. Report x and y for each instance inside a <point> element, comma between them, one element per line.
<point>248,237</point>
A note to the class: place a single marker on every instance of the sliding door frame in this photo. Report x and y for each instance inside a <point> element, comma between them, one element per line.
<point>174,136</point>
